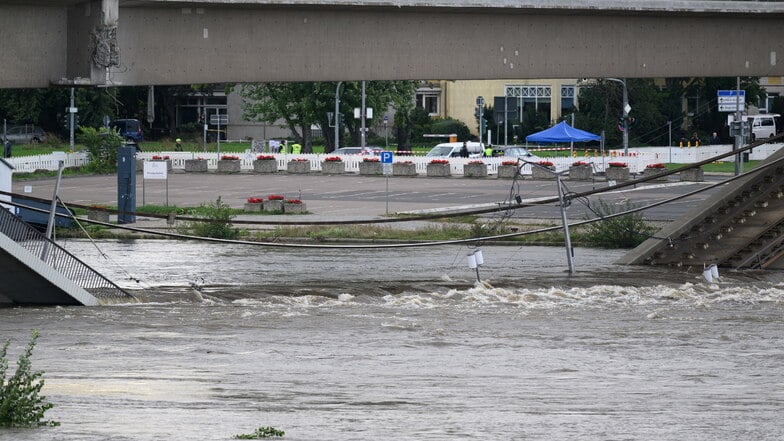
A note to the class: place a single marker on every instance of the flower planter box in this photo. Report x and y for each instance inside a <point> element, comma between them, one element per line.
<point>692,175</point>
<point>404,169</point>
<point>581,172</point>
<point>541,173</point>
<point>253,206</point>
<point>274,205</point>
<point>229,166</point>
<point>370,168</point>
<point>439,170</point>
<point>333,167</point>
<point>196,165</point>
<point>298,167</point>
<point>265,166</point>
<point>98,215</point>
<point>507,171</point>
<point>290,208</point>
<point>475,170</point>
<point>617,173</point>
<point>168,163</point>
<point>648,172</point>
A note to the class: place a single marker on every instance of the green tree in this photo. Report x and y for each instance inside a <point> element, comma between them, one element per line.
<point>302,105</point>
<point>601,108</point>
<point>21,402</point>
<point>102,147</point>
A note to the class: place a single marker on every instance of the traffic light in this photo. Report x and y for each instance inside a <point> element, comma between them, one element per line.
<point>621,124</point>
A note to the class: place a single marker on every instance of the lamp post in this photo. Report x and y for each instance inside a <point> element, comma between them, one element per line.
<point>337,115</point>
<point>626,110</point>
<point>480,102</point>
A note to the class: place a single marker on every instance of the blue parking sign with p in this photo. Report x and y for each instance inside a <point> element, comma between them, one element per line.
<point>386,157</point>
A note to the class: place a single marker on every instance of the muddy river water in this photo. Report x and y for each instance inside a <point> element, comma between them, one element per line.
<point>403,344</point>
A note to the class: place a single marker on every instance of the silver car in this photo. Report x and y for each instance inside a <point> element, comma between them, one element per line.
<point>366,151</point>
<point>26,134</point>
<point>516,152</point>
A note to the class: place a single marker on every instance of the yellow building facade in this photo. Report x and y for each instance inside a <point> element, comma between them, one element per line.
<point>458,99</point>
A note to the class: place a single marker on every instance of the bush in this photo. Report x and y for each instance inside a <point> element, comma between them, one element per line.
<point>262,432</point>
<point>217,222</point>
<point>20,402</point>
<point>449,125</point>
<point>625,231</point>
<point>102,147</point>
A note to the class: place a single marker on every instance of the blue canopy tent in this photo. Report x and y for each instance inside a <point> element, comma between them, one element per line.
<point>562,132</point>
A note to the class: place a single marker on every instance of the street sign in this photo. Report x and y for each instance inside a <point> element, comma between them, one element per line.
<point>386,157</point>
<point>732,99</point>
<point>386,169</point>
<point>731,93</point>
<point>732,107</point>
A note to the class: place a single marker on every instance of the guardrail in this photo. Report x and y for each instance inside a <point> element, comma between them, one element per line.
<point>636,161</point>
<point>29,164</point>
<point>61,260</point>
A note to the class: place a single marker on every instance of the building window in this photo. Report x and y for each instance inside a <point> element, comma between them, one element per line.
<point>429,101</point>
<point>766,103</point>
<point>529,100</point>
<point>692,105</point>
<point>567,98</point>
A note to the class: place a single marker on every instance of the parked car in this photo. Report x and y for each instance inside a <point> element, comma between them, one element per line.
<point>453,149</point>
<point>26,134</point>
<point>130,129</point>
<point>516,152</point>
<point>361,151</point>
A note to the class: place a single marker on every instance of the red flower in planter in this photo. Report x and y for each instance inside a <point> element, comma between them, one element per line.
<point>300,160</point>
<point>253,200</point>
<point>275,197</point>
<point>371,159</point>
<point>655,166</point>
<point>617,164</point>
<point>476,162</point>
<point>546,163</point>
<point>199,158</point>
<point>509,163</point>
<point>579,163</point>
<point>439,161</point>
<point>265,158</point>
<point>333,159</point>
<point>159,158</point>
<point>229,158</point>
<point>404,162</point>
<point>293,201</point>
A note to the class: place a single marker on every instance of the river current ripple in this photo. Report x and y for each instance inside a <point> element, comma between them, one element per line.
<point>404,344</point>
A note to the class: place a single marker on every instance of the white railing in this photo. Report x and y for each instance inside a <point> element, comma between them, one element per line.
<point>29,164</point>
<point>637,159</point>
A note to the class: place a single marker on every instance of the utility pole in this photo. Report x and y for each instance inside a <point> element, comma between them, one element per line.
<point>337,115</point>
<point>626,110</point>
<point>739,133</point>
<point>362,116</point>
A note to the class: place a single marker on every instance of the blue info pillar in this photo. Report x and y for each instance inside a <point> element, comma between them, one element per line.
<point>126,184</point>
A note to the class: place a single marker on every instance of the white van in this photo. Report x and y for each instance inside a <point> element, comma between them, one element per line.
<point>763,125</point>
<point>452,149</point>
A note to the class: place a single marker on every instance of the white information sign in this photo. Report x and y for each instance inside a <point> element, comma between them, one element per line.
<point>156,170</point>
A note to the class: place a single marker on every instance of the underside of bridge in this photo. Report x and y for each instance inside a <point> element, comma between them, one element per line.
<point>149,42</point>
<point>740,227</point>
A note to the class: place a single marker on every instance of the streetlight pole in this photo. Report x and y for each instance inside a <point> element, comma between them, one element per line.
<point>337,115</point>
<point>626,110</point>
